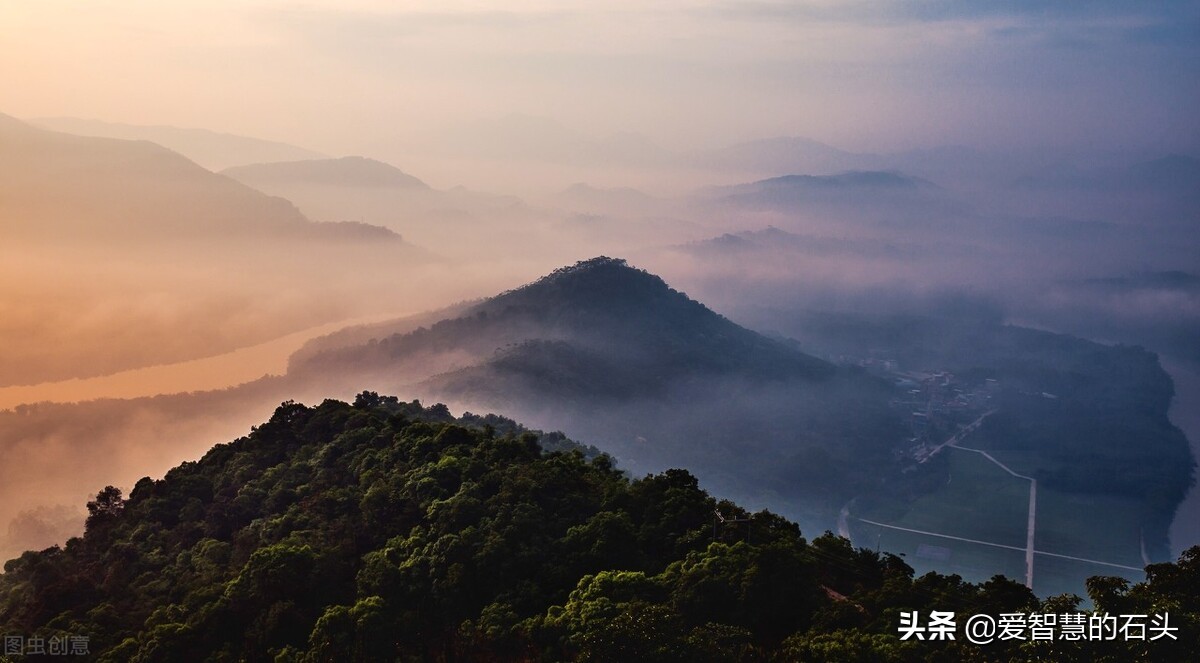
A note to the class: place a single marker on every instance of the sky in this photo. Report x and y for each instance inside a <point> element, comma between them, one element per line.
<point>379,78</point>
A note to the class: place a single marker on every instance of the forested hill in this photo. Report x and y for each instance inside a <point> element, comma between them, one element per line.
<point>618,357</point>
<point>638,324</point>
<point>384,531</point>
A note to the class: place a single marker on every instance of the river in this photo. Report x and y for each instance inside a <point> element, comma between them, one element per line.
<point>1185,413</point>
<point>270,358</point>
<point>208,373</point>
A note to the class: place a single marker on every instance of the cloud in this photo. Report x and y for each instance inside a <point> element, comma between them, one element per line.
<point>358,29</point>
<point>925,11</point>
<point>41,527</point>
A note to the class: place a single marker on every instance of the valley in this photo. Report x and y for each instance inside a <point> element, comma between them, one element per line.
<point>717,332</point>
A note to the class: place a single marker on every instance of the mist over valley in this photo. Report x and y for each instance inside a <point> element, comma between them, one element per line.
<point>560,333</point>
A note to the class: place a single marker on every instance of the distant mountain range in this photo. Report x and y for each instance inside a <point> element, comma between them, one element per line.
<point>855,181</point>
<point>884,194</point>
<point>533,138</point>
<point>529,138</point>
<point>57,184</point>
<point>378,193</point>
<point>346,171</point>
<point>757,245</point>
<point>211,149</point>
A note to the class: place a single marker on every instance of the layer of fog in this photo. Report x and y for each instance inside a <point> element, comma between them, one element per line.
<point>1009,238</point>
<point>120,254</point>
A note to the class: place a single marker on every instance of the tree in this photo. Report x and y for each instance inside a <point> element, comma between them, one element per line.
<point>104,510</point>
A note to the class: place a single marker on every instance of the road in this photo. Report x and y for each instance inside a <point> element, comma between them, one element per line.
<point>940,536</point>
<point>843,523</point>
<point>954,439</point>
<point>1031,524</point>
<point>1029,530</point>
<point>996,545</point>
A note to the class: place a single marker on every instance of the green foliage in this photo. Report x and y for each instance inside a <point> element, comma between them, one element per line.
<point>384,531</point>
<point>103,510</point>
<point>618,355</point>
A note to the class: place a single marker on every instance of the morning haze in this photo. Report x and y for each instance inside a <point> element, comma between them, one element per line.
<point>836,234</point>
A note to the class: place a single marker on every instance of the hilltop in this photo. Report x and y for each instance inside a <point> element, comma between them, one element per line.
<point>385,530</point>
<point>647,374</point>
<point>607,306</point>
<point>641,323</point>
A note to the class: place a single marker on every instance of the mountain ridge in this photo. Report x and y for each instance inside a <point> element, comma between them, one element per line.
<point>213,150</point>
<point>58,184</point>
<point>342,171</point>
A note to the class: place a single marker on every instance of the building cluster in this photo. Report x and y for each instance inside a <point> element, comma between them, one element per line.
<point>934,403</point>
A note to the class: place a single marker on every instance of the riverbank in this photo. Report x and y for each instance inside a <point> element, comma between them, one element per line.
<point>1185,413</point>
<point>206,374</point>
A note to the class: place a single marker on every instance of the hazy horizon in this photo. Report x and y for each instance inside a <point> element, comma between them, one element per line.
<point>410,83</point>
